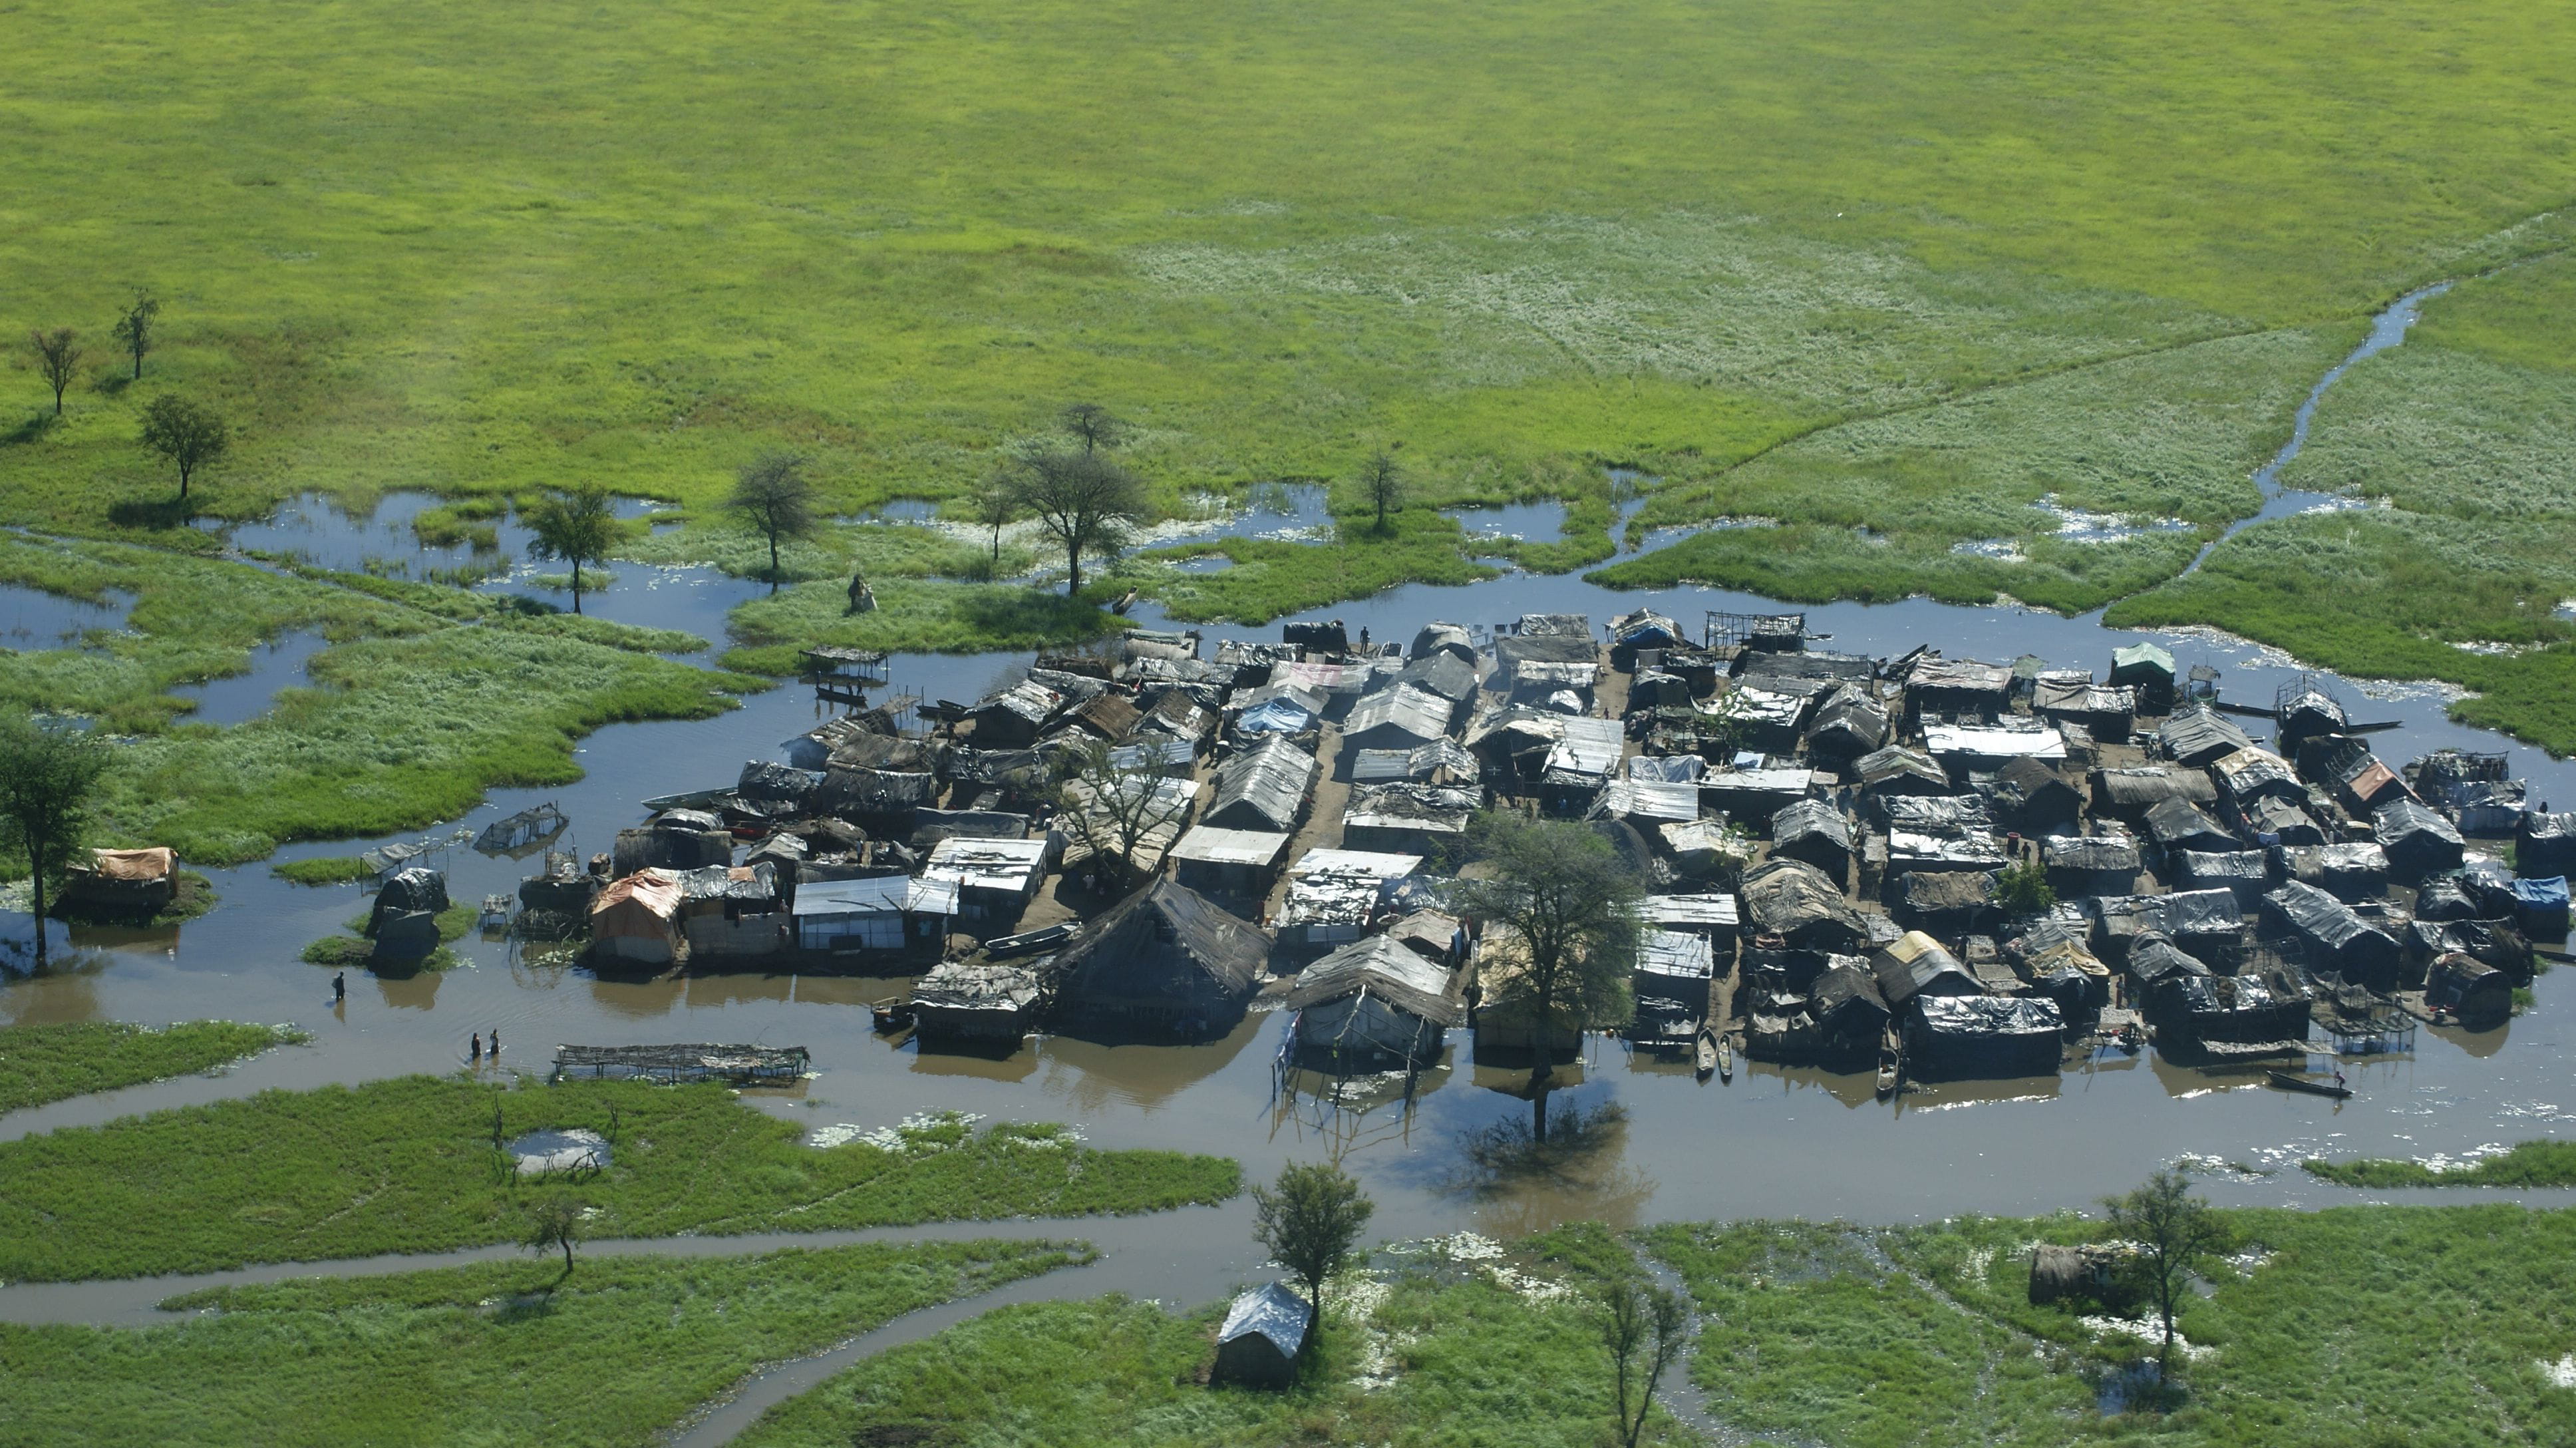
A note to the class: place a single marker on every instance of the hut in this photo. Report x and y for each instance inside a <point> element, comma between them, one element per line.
<point>2488,806</point>
<point>2417,840</point>
<point>2127,794</point>
<point>2250,774</point>
<point>1263,1335</point>
<point>2149,670</point>
<point>1373,1004</point>
<point>977,1001</point>
<point>2033,798</point>
<point>1507,1017</point>
<point>2540,906</point>
<point>1235,863</point>
<point>1443,674</point>
<point>1947,832</point>
<point>1399,716</point>
<point>1163,754</point>
<point>1408,818</point>
<point>1705,849</point>
<point>1848,723</point>
<point>1754,794</point>
<point>2246,1009</point>
<point>2333,937</point>
<point>2208,923</point>
<point>1965,747</point>
<point>1015,717</point>
<point>1643,630</point>
<point>2305,710</point>
<point>1813,831</point>
<point>1319,637</point>
<point>2177,824</point>
<point>2200,735</point>
<point>889,915</point>
<point>2360,781</point>
<point>1894,770</point>
<point>637,918</point>
<point>1711,915</point>
<point>1263,788</point>
<point>1794,901</point>
<point>1952,902</point>
<point>1333,895</point>
<point>1443,638</point>
<point>1916,964</point>
<point>1581,761</point>
<point>2350,872</point>
<point>1645,803</point>
<point>732,912</point>
<point>2276,820</point>
<point>1166,959</point>
<point>1771,714</point>
<point>1850,1015</point>
<point>2090,864</point>
<point>1110,718</point>
<point>1674,965</point>
<point>1956,1036</point>
<point>676,839</point>
<point>1281,708</point>
<point>2545,845</point>
<point>2090,1272</point>
<point>2477,993</point>
<point>1957,688</point>
<point>2244,873</point>
<point>995,879</point>
<point>2154,959</point>
<point>403,920</point>
<point>1441,762</point>
<point>2106,711</point>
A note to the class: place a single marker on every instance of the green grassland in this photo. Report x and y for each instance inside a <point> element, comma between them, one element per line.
<point>409,1165</point>
<point>2528,1164</point>
<point>619,1350</point>
<point>46,1063</point>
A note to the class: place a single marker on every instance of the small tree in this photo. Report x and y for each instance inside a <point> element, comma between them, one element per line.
<point>1093,427</point>
<point>772,494</point>
<point>48,778</point>
<point>577,525</point>
<point>554,1222</point>
<point>1573,904</point>
<point>1310,1221</point>
<point>1645,1327</point>
<point>1382,484</point>
<point>995,507</point>
<point>134,325</point>
<point>57,353</point>
<point>2023,889</point>
<point>1111,809</point>
<point>1084,502</point>
<point>189,435</point>
<point>2175,1232</point>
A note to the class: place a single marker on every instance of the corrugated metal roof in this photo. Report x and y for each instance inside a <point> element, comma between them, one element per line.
<point>880,895</point>
<point>1994,743</point>
<point>1590,746</point>
<point>1689,911</point>
<point>1401,711</point>
<point>985,864</point>
<point>1210,845</point>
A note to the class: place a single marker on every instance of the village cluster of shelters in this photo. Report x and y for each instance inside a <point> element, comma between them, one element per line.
<point>1841,850</point>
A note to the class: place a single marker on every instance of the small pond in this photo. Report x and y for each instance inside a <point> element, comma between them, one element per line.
<point>31,618</point>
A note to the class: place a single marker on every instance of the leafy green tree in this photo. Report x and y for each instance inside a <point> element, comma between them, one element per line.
<point>57,353</point>
<point>190,435</point>
<point>2023,889</point>
<point>1382,484</point>
<point>554,1222</point>
<point>134,326</point>
<point>1112,809</point>
<point>1572,902</point>
<point>1645,1327</point>
<point>773,495</point>
<point>48,781</point>
<point>577,525</point>
<point>995,507</point>
<point>1085,502</point>
<point>2175,1233</point>
<point>1310,1220</point>
<point>1093,427</point>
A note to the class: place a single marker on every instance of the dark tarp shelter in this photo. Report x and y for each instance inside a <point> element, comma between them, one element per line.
<point>2106,711</point>
<point>1951,688</point>
<point>1813,831</point>
<point>1953,902</point>
<point>2545,845</point>
<point>2349,872</point>
<point>2128,794</point>
<point>2418,841</point>
<point>2199,735</point>
<point>2245,873</point>
<point>1895,770</point>
<point>2476,992</point>
<point>2177,824</point>
<point>2030,796</point>
<point>2335,939</point>
<point>2090,864</point>
<point>1848,723</point>
<point>1983,1036</point>
<point>1848,1010</point>
<point>2281,821</point>
<point>1164,958</point>
<point>2241,1008</point>
<point>2250,774</point>
<point>1794,901</point>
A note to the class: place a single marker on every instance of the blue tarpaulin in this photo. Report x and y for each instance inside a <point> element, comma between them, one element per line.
<point>2541,899</point>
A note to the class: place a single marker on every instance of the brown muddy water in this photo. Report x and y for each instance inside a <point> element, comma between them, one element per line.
<point>1665,1147</point>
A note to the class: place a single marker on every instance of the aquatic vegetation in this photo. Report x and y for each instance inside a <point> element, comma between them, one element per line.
<point>923,615</point>
<point>506,1353</point>
<point>55,1062</point>
<point>2526,1164</point>
<point>405,1165</point>
<point>324,870</point>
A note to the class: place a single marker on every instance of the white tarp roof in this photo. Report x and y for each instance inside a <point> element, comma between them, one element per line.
<point>1994,743</point>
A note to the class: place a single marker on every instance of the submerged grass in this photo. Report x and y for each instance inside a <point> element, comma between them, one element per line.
<point>2528,1164</point>
<point>409,1165</point>
<point>324,870</point>
<point>517,1353</point>
<point>39,1064</point>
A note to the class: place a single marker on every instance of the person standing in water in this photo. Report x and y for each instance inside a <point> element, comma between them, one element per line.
<point>476,1052</point>
<point>340,986</point>
<point>496,1043</point>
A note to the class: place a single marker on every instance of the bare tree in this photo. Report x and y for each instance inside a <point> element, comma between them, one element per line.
<point>48,778</point>
<point>134,325</point>
<point>1572,903</point>
<point>1113,809</point>
<point>190,435</point>
<point>57,353</point>
<point>1092,424</point>
<point>1645,1327</point>
<point>555,1222</point>
<point>577,525</point>
<point>1382,484</point>
<point>773,495</point>
<point>995,507</point>
<point>2175,1232</point>
<point>1085,502</point>
<point>1310,1221</point>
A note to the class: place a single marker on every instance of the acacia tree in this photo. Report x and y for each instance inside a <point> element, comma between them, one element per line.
<point>2175,1233</point>
<point>48,778</point>
<point>772,494</point>
<point>554,1222</point>
<point>1382,484</point>
<point>577,525</point>
<point>1083,501</point>
<point>1091,424</point>
<point>995,506</point>
<point>1645,1327</point>
<point>57,353</point>
<point>1572,904</point>
<point>1310,1220</point>
<point>134,325</point>
<point>190,435</point>
<point>1111,809</point>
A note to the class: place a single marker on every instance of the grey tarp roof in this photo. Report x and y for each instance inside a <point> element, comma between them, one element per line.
<point>2147,785</point>
<point>876,895</point>
<point>1589,747</point>
<point>766,781</point>
<point>1447,638</point>
<point>2177,823</point>
<point>1382,766</point>
<point>1444,674</point>
<point>1208,844</point>
<point>2077,694</point>
<point>1029,701</point>
<point>2193,913</point>
<point>1794,899</point>
<point>1808,664</point>
<point>1850,720</point>
<point>2276,815</point>
<point>1383,967</point>
<point>2200,734</point>
<point>1561,625</point>
<point>2154,956</point>
<point>957,985</point>
<point>874,791</point>
<point>2224,867</point>
<point>1263,787</point>
<point>2088,852</point>
<point>1675,953</point>
<point>2400,822</point>
<point>1899,767</point>
<point>2012,739</point>
<point>1398,716</point>
<point>2317,915</point>
<point>1511,653</point>
<point>1844,980</point>
<point>1938,814</point>
<point>2252,773</point>
<point>1989,1016</point>
<point>1409,806</point>
<point>1936,891</point>
<point>1811,819</point>
<point>1270,1311</point>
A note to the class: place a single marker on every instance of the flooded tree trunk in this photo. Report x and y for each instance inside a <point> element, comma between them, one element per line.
<point>1538,1107</point>
<point>36,874</point>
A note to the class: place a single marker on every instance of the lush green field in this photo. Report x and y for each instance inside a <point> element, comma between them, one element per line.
<point>2528,1164</point>
<point>53,1063</point>
<point>409,1165</point>
<point>501,1354</point>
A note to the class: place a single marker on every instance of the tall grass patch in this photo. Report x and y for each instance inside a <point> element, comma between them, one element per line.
<point>44,1063</point>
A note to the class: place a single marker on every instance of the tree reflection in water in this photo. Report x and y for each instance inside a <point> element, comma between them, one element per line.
<point>1527,1174</point>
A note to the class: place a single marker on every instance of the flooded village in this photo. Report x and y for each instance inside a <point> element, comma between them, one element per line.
<point>1906,870</point>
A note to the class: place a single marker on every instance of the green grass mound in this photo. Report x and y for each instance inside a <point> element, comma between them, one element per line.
<point>2528,1164</point>
<point>39,1064</point>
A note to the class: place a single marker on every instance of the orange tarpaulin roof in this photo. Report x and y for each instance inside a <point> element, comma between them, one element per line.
<point>145,865</point>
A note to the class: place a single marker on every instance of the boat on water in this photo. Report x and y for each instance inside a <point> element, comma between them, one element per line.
<point>1704,1050</point>
<point>1725,1059</point>
<point>2289,1081</point>
<point>894,1013</point>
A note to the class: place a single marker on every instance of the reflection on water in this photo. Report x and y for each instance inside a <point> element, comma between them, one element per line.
<point>1542,522</point>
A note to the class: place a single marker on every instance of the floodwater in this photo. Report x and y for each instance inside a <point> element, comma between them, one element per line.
<point>31,618</point>
<point>274,665</point>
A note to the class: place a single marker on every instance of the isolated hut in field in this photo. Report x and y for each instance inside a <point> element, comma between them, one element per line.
<point>2333,937</point>
<point>1848,723</point>
<point>2127,794</point>
<point>637,918</point>
<point>1973,1036</point>
<point>1398,716</point>
<point>1443,638</point>
<point>2351,872</point>
<point>2199,735</point>
<point>2416,839</point>
<point>124,884</point>
<point>2032,797</point>
<point>2090,864</point>
<point>1263,788</point>
<point>883,915</point>
<point>1237,864</point>
<point>2148,669</point>
<point>1813,831</point>
<point>1164,959</point>
<point>403,919</point>
<point>1797,903</point>
<point>1916,964</point>
<point>2178,824</point>
<point>2545,845</point>
<point>1263,1334</point>
<point>977,1001</point>
<point>1407,819</point>
<point>994,879</point>
<point>2090,1273</point>
<point>2106,711</point>
<point>1374,1004</point>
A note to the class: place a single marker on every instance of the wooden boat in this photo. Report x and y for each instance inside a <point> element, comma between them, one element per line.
<point>894,1013</point>
<point>1888,1063</point>
<point>1704,1053</point>
<point>1124,604</point>
<point>1030,942</point>
<point>2290,1082</point>
<point>1725,1059</point>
